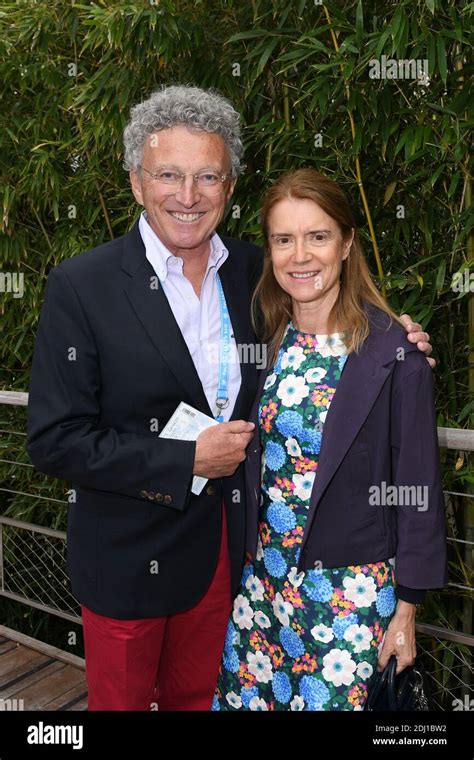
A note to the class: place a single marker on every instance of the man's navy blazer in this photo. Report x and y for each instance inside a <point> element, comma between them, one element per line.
<point>380,429</point>
<point>110,367</point>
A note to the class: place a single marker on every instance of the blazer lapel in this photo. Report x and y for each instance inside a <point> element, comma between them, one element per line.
<point>151,306</point>
<point>237,298</point>
<point>359,385</point>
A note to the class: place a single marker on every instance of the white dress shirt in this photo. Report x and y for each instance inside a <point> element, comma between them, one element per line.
<point>198,318</point>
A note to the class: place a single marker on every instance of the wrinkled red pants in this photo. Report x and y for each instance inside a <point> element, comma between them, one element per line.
<point>166,663</point>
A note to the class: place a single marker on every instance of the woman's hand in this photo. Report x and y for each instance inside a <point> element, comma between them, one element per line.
<point>400,637</point>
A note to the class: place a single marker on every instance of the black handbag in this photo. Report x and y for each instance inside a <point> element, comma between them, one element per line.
<point>407,691</point>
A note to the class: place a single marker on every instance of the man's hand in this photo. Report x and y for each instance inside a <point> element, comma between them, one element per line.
<point>415,335</point>
<point>221,448</point>
<point>400,637</point>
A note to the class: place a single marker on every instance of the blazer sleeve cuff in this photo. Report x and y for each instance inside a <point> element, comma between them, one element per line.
<point>412,595</point>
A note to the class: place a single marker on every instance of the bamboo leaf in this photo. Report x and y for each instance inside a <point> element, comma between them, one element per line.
<point>359,25</point>
<point>389,191</point>
<point>440,276</point>
<point>442,65</point>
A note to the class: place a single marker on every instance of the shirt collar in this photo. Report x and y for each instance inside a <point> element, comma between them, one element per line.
<point>160,256</point>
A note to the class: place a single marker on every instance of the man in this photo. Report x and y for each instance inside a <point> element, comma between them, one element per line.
<point>126,333</point>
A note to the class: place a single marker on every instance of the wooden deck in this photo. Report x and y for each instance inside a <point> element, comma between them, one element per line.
<point>44,677</point>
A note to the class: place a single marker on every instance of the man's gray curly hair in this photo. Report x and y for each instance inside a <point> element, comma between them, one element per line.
<point>193,107</point>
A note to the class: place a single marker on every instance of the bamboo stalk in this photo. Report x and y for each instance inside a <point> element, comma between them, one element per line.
<point>357,163</point>
<point>43,228</point>
<point>102,204</point>
<point>104,209</point>
<point>468,505</point>
<point>286,104</point>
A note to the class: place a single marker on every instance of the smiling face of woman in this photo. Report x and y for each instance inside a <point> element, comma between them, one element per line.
<point>307,250</point>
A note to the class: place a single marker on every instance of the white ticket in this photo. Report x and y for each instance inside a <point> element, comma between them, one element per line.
<point>185,424</point>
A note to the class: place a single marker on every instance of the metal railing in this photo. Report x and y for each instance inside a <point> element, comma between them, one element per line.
<point>32,571</point>
<point>33,568</point>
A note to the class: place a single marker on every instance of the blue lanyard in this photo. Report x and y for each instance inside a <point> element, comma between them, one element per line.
<point>222,397</point>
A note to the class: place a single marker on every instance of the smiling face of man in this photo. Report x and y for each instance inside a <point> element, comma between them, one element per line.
<point>184,218</point>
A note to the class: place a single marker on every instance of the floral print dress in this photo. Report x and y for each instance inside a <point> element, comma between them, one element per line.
<point>307,641</point>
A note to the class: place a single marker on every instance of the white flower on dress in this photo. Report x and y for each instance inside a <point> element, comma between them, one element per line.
<point>315,375</point>
<point>292,447</point>
<point>234,700</point>
<point>361,590</point>
<point>297,704</point>
<point>258,704</point>
<point>259,554</point>
<point>269,381</point>
<point>364,670</point>
<point>332,346</point>
<point>338,667</point>
<point>304,484</point>
<point>292,390</point>
<point>255,586</point>
<point>262,620</point>
<point>293,357</point>
<point>322,416</point>
<point>282,609</point>
<point>360,637</point>
<point>260,666</point>
<point>295,578</point>
<point>275,494</point>
<point>322,633</point>
<point>243,613</point>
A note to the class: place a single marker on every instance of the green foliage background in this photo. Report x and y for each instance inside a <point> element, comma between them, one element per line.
<point>295,70</point>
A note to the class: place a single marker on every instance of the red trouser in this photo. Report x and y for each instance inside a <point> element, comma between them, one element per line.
<point>165,663</point>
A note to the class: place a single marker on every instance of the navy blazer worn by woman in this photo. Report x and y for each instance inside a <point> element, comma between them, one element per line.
<point>380,431</point>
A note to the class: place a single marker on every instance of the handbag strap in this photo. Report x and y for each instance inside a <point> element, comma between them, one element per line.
<point>378,687</point>
<point>391,685</point>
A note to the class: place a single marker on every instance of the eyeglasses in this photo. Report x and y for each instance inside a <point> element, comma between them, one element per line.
<point>206,181</point>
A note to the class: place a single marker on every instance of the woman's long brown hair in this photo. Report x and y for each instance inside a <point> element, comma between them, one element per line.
<point>272,306</point>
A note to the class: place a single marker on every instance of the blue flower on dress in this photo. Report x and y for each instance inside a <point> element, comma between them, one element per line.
<point>274,562</point>
<point>215,703</point>
<point>385,602</point>
<point>341,361</point>
<point>291,642</point>
<point>289,423</point>
<point>246,573</point>
<point>230,637</point>
<point>281,687</point>
<point>274,455</point>
<point>247,693</point>
<point>277,367</point>
<point>319,589</point>
<point>311,441</point>
<point>231,661</point>
<point>281,517</point>
<point>340,625</point>
<point>314,692</point>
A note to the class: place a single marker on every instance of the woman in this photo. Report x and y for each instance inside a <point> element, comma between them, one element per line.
<point>345,507</point>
